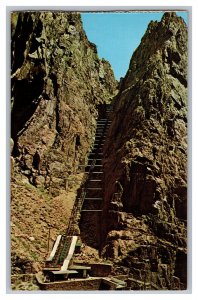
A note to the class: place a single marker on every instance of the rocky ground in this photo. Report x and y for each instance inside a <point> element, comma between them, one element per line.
<point>33,213</point>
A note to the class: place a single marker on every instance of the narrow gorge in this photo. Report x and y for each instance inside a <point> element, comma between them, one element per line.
<point>98,167</point>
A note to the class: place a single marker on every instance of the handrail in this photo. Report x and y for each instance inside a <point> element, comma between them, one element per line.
<point>53,252</point>
<point>79,201</point>
<point>70,253</point>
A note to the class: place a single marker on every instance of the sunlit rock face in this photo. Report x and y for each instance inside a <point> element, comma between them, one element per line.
<point>145,205</point>
<point>57,81</point>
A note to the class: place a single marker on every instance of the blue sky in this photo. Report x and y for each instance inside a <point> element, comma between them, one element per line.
<point>117,35</point>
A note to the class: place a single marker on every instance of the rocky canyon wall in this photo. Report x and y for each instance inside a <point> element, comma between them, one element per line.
<point>57,82</point>
<point>145,204</point>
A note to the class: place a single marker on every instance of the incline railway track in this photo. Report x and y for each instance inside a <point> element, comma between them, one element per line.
<point>88,201</point>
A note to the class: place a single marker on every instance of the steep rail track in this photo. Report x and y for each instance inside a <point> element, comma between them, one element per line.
<point>86,212</point>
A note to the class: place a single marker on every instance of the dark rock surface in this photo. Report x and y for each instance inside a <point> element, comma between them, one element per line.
<point>145,205</point>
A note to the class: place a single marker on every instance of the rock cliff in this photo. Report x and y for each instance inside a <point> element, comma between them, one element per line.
<point>145,204</point>
<point>57,82</point>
